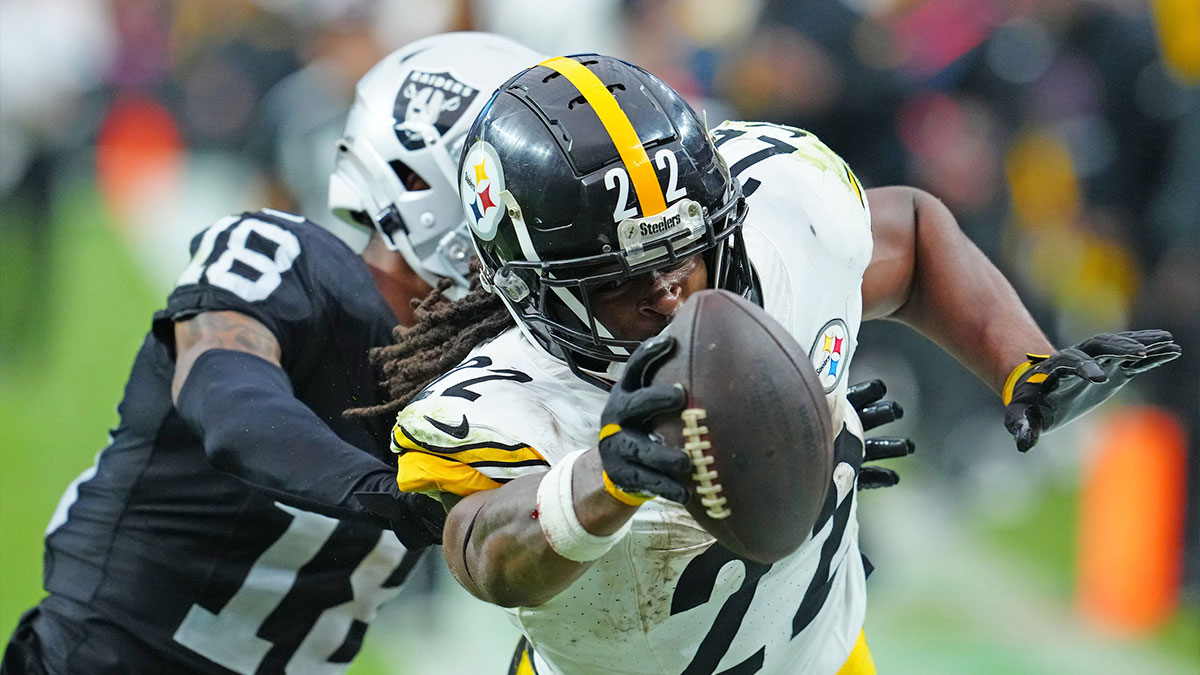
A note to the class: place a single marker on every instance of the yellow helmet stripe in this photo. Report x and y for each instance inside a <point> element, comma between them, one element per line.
<point>619,128</point>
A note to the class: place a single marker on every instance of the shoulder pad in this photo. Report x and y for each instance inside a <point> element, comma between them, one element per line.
<point>465,419</point>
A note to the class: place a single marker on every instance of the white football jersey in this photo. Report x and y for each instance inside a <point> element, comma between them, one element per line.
<point>665,599</point>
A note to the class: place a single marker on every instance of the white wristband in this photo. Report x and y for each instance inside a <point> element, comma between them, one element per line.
<point>560,525</point>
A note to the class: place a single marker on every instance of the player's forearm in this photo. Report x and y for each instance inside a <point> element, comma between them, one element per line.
<point>497,548</point>
<point>254,428</point>
<point>955,295</point>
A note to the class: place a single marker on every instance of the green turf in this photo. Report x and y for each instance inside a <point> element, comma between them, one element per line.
<point>1044,537</point>
<point>61,380</point>
<point>1181,635</point>
<point>1045,540</point>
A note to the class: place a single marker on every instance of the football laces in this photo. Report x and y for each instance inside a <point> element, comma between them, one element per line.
<point>695,445</point>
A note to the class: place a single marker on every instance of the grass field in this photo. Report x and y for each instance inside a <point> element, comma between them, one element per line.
<point>61,375</point>
<point>950,595</point>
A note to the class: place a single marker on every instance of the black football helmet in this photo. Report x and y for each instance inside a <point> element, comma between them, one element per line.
<point>585,170</point>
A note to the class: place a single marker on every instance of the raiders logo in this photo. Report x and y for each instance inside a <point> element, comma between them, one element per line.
<point>427,100</point>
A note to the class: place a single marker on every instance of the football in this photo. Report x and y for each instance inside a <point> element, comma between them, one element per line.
<point>756,425</point>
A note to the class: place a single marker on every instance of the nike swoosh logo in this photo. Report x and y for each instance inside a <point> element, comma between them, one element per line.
<point>458,431</point>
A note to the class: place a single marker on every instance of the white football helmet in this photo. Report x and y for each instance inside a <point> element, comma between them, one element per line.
<point>397,161</point>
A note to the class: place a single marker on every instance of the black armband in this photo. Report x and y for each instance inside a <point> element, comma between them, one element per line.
<point>254,428</point>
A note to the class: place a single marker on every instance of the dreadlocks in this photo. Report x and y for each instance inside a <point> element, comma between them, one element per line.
<point>444,333</point>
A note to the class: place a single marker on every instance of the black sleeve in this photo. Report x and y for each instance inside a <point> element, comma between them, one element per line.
<point>254,428</point>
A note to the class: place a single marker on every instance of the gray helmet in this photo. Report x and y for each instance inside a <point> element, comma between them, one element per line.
<point>396,161</point>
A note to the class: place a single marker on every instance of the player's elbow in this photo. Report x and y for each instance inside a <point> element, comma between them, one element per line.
<point>931,212</point>
<point>916,240</point>
<point>223,445</point>
<point>515,579</point>
<point>495,570</point>
<point>238,403</point>
<point>233,424</point>
<point>504,564</point>
<point>499,592</point>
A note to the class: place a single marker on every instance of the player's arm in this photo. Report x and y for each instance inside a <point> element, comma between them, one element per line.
<point>523,543</point>
<point>497,547</point>
<point>231,390</point>
<point>926,273</point>
<point>220,330</point>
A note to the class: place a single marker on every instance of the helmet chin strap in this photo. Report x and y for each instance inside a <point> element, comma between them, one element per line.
<point>520,321</point>
<point>600,380</point>
<point>522,230</point>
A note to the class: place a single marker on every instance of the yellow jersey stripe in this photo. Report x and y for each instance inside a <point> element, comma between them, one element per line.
<point>525,664</point>
<point>860,661</point>
<point>522,660</point>
<point>420,472</point>
<point>619,128</point>
<point>487,455</point>
<point>856,185</point>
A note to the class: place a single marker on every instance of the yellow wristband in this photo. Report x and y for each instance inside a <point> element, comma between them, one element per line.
<point>609,429</point>
<point>1011,382</point>
<point>627,498</point>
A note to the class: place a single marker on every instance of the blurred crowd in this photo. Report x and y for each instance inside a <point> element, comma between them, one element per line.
<point>1064,134</point>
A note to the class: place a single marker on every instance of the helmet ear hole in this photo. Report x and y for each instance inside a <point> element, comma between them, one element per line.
<point>390,223</point>
<point>410,179</point>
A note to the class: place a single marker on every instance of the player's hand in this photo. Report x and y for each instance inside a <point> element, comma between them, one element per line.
<point>416,519</point>
<point>874,412</point>
<point>1046,392</point>
<point>638,466</point>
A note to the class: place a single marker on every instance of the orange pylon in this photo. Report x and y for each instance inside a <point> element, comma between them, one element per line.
<point>1131,522</point>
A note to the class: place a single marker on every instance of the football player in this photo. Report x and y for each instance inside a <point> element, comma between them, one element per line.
<point>599,203</point>
<point>237,521</point>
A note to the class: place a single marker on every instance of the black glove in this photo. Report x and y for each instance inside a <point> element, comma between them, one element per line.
<point>1046,392</point>
<point>636,462</point>
<point>416,519</point>
<point>872,412</point>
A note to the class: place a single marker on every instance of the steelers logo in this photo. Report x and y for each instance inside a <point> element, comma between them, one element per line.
<point>480,185</point>
<point>830,353</point>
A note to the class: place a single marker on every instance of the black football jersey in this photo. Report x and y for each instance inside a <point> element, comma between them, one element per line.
<point>156,561</point>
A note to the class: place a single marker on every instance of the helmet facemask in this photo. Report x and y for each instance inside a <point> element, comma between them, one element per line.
<point>554,298</point>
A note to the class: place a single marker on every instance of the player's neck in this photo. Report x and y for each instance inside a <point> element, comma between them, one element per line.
<point>397,282</point>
